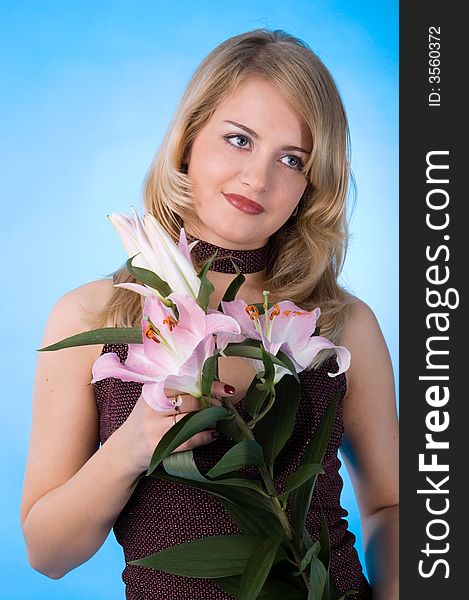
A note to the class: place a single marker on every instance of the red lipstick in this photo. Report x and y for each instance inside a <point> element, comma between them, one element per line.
<point>244,204</point>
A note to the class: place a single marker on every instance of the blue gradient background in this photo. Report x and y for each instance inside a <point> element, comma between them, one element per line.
<point>88,90</point>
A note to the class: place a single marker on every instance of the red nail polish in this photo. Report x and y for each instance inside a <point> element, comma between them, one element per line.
<point>229,389</point>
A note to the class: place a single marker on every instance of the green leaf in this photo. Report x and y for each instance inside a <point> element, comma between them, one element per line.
<point>206,286</point>
<point>287,363</point>
<point>229,428</point>
<point>258,568</point>
<point>209,557</point>
<point>307,558</point>
<point>317,579</point>
<point>243,454</point>
<point>269,371</point>
<point>244,350</point>
<point>300,476</point>
<point>209,372</point>
<point>324,539</point>
<point>181,464</point>
<point>314,454</point>
<point>192,423</point>
<point>273,431</point>
<point>250,523</point>
<point>234,286</point>
<point>148,278</point>
<point>255,398</point>
<point>105,335</point>
<point>245,497</point>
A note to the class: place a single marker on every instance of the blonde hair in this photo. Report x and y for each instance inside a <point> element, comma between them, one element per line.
<point>307,253</point>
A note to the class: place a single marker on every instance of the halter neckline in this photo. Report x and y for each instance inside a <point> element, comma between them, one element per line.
<point>248,261</point>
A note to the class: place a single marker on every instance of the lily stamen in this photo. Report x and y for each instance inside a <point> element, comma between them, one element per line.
<point>150,333</point>
<point>252,311</point>
<point>157,332</point>
<point>170,322</point>
<point>274,312</point>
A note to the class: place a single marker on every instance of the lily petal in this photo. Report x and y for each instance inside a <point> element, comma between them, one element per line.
<point>123,224</point>
<point>154,396</point>
<point>175,265</point>
<point>109,365</point>
<point>184,247</point>
<point>305,356</point>
<point>293,324</point>
<point>237,310</point>
<point>143,290</point>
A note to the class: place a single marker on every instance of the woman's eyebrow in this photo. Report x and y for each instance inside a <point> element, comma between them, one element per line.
<point>256,136</point>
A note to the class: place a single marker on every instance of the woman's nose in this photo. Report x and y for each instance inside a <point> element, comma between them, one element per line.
<point>255,173</point>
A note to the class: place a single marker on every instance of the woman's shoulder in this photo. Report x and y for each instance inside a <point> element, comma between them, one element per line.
<point>94,293</point>
<point>364,339</point>
<point>360,322</point>
<point>76,308</point>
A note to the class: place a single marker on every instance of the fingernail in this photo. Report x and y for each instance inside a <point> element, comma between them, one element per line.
<point>229,389</point>
<point>215,434</point>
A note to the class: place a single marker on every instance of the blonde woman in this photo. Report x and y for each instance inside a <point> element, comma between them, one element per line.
<point>254,164</point>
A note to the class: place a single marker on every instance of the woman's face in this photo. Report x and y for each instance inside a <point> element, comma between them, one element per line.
<point>253,149</point>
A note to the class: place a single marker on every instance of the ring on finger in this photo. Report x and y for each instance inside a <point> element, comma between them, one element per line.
<point>176,402</point>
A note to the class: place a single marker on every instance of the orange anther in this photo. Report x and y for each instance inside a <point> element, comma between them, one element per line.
<point>274,312</point>
<point>252,311</point>
<point>150,333</point>
<point>286,312</point>
<point>170,322</point>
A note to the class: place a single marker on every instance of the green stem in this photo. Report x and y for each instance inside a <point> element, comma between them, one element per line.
<point>270,487</point>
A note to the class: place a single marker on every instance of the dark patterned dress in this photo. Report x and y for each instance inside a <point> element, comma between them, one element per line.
<point>160,514</point>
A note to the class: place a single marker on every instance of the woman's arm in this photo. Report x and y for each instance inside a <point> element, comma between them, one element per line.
<point>370,447</point>
<point>72,491</point>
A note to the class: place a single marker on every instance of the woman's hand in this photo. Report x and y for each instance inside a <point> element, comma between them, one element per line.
<point>144,428</point>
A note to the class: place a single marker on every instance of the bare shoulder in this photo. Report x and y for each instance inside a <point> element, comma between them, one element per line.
<point>73,312</point>
<point>361,323</point>
<point>90,296</point>
<point>362,335</point>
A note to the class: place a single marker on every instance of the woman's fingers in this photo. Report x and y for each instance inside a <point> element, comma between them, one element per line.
<point>220,388</point>
<point>190,403</point>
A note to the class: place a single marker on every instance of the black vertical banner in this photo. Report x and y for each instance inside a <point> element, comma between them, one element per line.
<point>434,234</point>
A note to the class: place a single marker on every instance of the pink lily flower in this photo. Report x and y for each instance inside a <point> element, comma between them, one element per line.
<point>173,351</point>
<point>154,250</point>
<point>283,327</point>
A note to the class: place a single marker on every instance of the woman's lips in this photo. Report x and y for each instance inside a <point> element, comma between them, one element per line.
<point>244,204</point>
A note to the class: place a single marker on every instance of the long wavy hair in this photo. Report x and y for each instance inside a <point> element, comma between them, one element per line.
<point>307,253</point>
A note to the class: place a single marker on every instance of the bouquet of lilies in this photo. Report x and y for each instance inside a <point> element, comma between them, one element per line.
<point>177,346</point>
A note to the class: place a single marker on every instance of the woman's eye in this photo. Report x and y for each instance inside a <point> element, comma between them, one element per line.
<point>238,140</point>
<point>294,162</point>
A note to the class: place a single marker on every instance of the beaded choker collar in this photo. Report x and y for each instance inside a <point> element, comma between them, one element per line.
<point>248,261</point>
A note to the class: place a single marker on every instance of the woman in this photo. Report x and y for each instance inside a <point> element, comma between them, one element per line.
<point>254,164</point>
